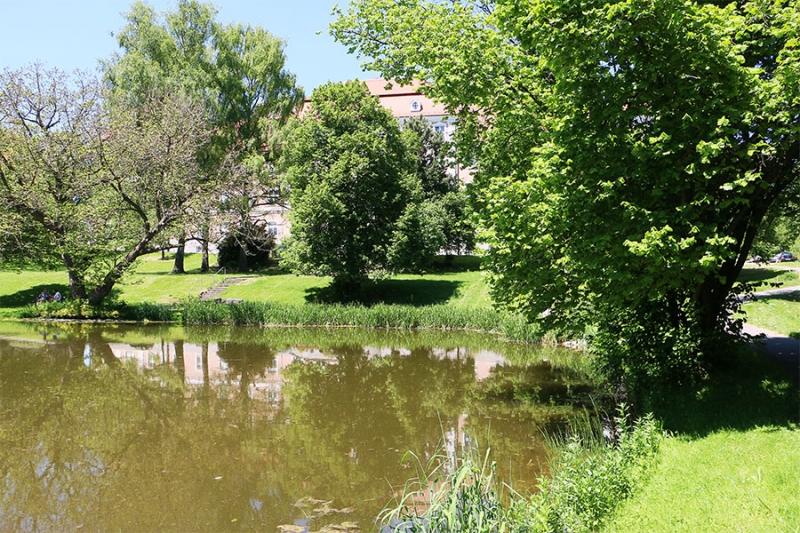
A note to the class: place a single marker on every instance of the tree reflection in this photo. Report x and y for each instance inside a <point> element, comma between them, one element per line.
<point>95,441</point>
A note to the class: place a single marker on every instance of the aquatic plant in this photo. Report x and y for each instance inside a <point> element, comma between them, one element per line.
<point>591,474</point>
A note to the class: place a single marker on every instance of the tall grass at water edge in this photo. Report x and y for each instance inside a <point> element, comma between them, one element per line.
<point>195,312</point>
<point>591,474</point>
<point>114,310</point>
<point>376,316</point>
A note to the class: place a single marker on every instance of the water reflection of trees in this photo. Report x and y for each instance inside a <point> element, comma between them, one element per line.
<point>88,439</point>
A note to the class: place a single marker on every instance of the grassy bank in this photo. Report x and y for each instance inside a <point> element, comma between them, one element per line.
<point>728,481</point>
<point>730,461</point>
<point>733,462</point>
<point>587,481</point>
<point>440,316</point>
<point>779,313</point>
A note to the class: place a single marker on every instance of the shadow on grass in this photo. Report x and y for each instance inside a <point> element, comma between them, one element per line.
<point>752,392</point>
<point>29,295</point>
<point>768,276</point>
<point>457,263</point>
<point>417,293</point>
<point>786,297</point>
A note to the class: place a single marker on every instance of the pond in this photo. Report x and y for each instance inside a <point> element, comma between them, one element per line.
<point>164,428</point>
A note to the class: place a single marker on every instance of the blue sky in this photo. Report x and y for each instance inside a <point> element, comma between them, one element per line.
<point>75,34</point>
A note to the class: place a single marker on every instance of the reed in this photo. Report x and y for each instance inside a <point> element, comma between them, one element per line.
<point>385,316</point>
<point>591,475</point>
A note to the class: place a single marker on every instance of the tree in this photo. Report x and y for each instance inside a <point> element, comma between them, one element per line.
<point>98,181</point>
<point>436,217</point>
<point>627,151</point>
<point>346,164</point>
<point>238,72</point>
<point>441,185</point>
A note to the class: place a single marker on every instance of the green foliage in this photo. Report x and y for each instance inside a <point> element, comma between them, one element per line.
<point>236,70</point>
<point>97,182</point>
<point>238,74</point>
<point>627,151</point>
<point>589,480</point>
<point>418,236</point>
<point>587,485</point>
<point>346,165</point>
<point>111,310</point>
<point>437,216</point>
<point>778,234</point>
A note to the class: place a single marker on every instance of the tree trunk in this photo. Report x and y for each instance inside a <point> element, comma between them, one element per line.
<point>242,259</point>
<point>179,256</point>
<point>179,363</point>
<point>77,285</point>
<point>204,261</point>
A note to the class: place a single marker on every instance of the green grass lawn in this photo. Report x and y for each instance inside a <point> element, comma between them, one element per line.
<point>465,289</point>
<point>727,481</point>
<point>785,274</point>
<point>152,280</point>
<point>732,462</point>
<point>20,288</point>
<point>779,313</point>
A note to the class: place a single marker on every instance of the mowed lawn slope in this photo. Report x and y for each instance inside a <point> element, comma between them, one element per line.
<point>153,281</point>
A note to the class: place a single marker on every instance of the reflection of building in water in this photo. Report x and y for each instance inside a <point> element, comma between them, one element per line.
<point>202,363</point>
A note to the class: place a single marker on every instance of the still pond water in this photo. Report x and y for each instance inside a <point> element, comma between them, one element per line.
<point>156,428</point>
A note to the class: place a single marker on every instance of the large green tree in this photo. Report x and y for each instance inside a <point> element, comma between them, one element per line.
<point>627,150</point>
<point>238,72</point>
<point>95,181</point>
<point>347,167</point>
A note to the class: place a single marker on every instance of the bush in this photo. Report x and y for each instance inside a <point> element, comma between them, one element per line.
<point>588,481</point>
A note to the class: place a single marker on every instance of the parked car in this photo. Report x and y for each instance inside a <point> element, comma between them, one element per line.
<point>783,256</point>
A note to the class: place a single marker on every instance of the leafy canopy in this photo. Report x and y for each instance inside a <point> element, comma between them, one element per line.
<point>238,73</point>
<point>95,181</point>
<point>627,151</point>
<point>346,166</point>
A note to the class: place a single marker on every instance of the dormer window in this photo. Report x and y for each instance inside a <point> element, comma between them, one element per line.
<point>416,107</point>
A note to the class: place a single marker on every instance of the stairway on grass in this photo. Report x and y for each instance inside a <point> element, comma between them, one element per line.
<point>215,292</point>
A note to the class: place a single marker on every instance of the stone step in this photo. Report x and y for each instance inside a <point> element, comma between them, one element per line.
<point>214,292</point>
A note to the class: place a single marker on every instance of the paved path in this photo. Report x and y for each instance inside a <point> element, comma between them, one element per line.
<point>783,350</point>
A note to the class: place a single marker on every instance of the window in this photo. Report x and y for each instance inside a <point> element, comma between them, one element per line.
<point>416,107</point>
<point>440,128</point>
